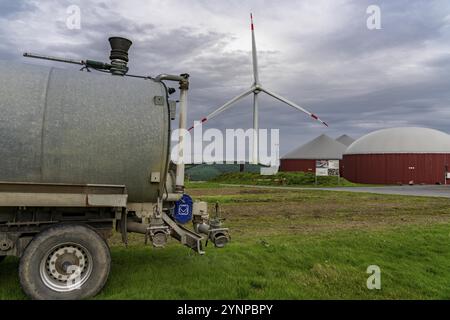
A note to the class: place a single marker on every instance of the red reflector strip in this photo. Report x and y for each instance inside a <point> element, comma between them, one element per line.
<point>201,121</point>
<point>317,118</point>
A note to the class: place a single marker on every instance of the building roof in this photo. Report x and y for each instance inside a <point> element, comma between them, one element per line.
<point>402,140</point>
<point>345,139</point>
<point>321,148</point>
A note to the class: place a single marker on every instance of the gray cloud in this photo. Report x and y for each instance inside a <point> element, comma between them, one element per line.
<point>356,79</point>
<point>10,8</point>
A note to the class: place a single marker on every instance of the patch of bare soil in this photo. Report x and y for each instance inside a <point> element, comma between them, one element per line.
<point>227,191</point>
<point>295,217</point>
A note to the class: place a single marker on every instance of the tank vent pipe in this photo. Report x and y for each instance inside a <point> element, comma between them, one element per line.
<point>119,55</point>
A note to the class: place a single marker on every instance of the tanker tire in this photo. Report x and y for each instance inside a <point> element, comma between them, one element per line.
<point>2,258</point>
<point>36,252</point>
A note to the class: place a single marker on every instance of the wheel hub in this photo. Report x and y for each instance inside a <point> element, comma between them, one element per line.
<point>65,261</point>
<point>66,267</point>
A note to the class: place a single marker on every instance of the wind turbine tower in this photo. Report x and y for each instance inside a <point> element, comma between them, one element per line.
<point>256,89</point>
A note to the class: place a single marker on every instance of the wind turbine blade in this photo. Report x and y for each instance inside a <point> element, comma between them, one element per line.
<point>224,107</point>
<point>290,103</point>
<point>254,54</point>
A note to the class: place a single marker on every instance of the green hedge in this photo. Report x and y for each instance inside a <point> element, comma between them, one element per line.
<point>206,172</point>
<point>281,178</point>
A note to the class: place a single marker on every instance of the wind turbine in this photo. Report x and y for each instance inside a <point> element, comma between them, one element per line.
<point>256,88</point>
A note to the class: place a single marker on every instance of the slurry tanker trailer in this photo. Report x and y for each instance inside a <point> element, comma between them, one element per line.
<point>84,152</point>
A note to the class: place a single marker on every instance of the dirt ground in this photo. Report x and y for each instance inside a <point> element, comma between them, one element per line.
<point>305,211</point>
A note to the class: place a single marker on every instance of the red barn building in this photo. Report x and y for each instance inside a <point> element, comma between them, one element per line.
<point>399,156</point>
<point>304,158</point>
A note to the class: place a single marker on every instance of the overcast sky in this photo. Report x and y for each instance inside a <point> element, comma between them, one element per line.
<point>319,54</point>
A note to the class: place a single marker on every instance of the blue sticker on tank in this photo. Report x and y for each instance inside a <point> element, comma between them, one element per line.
<point>183,209</point>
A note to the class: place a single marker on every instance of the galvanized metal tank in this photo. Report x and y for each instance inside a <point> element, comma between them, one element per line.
<point>66,126</point>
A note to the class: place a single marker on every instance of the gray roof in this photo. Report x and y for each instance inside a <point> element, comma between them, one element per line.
<point>402,140</point>
<point>345,139</point>
<point>321,148</point>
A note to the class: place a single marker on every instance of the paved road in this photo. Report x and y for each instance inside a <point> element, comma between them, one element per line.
<point>423,191</point>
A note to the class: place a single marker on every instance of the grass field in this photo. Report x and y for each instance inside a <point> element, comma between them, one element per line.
<point>291,245</point>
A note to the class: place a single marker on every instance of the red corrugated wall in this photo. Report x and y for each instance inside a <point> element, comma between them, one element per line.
<point>425,168</point>
<point>298,165</point>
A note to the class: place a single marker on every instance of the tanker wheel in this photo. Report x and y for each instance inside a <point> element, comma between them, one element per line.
<point>65,262</point>
<point>2,258</point>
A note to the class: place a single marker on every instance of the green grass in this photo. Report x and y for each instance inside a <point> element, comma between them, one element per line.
<point>414,262</point>
<point>291,245</point>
